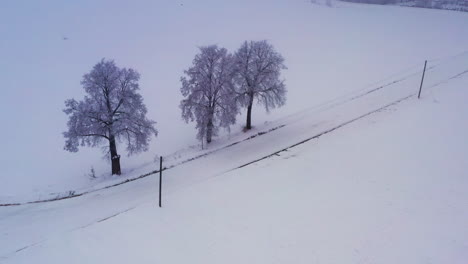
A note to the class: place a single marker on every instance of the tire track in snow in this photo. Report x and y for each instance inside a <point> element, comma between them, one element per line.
<point>8,255</point>
<point>261,133</point>
<point>331,106</point>
<point>324,132</point>
<point>348,122</point>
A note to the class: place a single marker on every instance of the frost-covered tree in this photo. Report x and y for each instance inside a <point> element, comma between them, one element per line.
<point>112,110</point>
<point>258,67</point>
<point>207,88</point>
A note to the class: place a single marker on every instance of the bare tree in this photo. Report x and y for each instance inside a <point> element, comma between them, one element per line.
<point>111,111</point>
<point>207,88</point>
<point>258,67</point>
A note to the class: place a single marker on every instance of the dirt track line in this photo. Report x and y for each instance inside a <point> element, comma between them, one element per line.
<point>251,137</point>
<point>324,132</point>
<point>349,121</point>
<point>261,133</point>
<point>114,215</point>
<point>201,155</point>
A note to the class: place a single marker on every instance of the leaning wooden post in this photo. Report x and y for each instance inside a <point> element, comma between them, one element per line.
<point>422,80</point>
<point>160,179</point>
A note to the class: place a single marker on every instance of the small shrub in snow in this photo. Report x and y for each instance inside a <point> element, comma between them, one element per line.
<point>92,174</point>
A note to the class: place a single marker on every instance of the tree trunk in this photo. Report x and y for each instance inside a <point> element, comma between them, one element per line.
<point>209,130</point>
<point>248,125</point>
<point>115,158</point>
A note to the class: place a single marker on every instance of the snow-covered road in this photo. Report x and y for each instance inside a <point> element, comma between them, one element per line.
<point>387,188</point>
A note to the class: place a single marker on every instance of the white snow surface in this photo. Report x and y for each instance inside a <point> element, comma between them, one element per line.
<point>386,183</point>
<point>388,188</point>
<point>329,53</point>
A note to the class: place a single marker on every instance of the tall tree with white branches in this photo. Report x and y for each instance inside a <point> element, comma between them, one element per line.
<point>258,67</point>
<point>112,111</point>
<point>207,88</point>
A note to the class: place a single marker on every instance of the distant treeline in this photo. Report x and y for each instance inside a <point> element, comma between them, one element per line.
<point>458,5</point>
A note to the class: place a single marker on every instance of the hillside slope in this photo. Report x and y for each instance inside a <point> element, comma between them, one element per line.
<point>329,52</point>
<point>456,5</point>
<point>389,188</point>
<point>354,169</point>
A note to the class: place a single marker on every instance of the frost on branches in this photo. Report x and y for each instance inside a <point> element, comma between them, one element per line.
<point>207,88</point>
<point>111,111</point>
<point>258,67</point>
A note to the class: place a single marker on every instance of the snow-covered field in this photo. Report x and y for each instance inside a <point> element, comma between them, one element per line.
<point>380,177</point>
<point>389,188</point>
<point>329,52</point>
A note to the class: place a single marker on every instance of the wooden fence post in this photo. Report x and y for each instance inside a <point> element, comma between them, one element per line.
<point>422,80</point>
<point>160,179</point>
